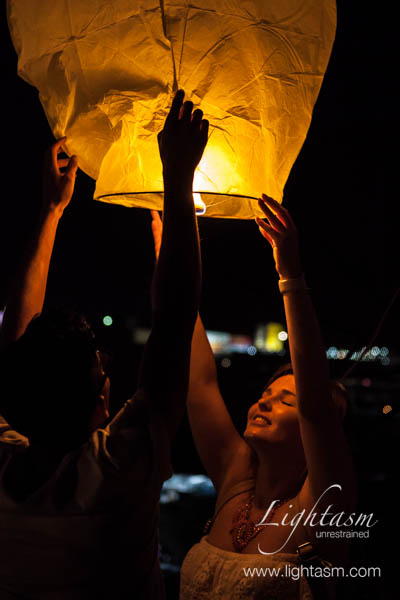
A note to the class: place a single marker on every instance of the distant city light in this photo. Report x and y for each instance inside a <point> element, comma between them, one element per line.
<point>107,321</point>
<point>267,338</point>
<point>332,352</point>
<point>375,353</point>
<point>387,409</point>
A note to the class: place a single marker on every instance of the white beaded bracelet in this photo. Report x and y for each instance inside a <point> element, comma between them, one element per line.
<point>292,285</point>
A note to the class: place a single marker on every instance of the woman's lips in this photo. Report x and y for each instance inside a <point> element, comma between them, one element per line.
<point>261,420</point>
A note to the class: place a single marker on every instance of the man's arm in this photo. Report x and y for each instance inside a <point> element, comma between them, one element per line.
<point>214,434</point>
<point>176,282</point>
<point>28,290</point>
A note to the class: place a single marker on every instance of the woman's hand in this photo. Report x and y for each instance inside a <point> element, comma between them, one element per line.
<point>58,187</point>
<point>281,233</point>
<point>157,228</point>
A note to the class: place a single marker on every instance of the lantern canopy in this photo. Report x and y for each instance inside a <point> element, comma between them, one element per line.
<point>106,73</point>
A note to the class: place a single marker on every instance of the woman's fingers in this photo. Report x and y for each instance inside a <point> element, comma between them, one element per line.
<point>270,234</point>
<point>267,236</point>
<point>72,166</point>
<point>273,219</point>
<point>54,151</point>
<point>280,211</point>
<point>62,162</point>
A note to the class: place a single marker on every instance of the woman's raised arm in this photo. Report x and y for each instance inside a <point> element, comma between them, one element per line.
<point>326,449</point>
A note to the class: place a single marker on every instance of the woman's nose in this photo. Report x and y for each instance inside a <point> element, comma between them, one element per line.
<point>265,404</point>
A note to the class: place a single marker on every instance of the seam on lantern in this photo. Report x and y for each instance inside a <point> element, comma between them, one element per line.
<point>261,74</point>
<point>71,117</point>
<point>163,19</point>
<point>183,38</point>
<point>165,30</point>
<point>223,14</point>
<point>295,58</point>
<point>217,44</point>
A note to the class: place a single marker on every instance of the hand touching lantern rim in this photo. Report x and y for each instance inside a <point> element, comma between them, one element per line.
<point>58,186</point>
<point>280,231</point>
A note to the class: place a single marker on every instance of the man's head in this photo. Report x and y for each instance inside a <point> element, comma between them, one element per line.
<point>52,385</point>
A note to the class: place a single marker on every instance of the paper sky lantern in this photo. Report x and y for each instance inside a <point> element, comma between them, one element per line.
<point>106,73</point>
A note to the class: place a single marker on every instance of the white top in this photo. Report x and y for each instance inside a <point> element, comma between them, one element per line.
<point>210,573</point>
<point>91,530</point>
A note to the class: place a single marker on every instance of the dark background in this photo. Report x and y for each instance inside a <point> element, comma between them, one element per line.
<point>341,193</point>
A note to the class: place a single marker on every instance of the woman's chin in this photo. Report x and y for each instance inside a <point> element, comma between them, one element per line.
<point>257,429</point>
<point>254,435</point>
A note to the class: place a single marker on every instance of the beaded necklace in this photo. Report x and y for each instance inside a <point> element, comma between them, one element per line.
<point>243,530</point>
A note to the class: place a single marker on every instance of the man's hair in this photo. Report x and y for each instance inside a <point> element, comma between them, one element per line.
<point>47,392</point>
<point>339,393</point>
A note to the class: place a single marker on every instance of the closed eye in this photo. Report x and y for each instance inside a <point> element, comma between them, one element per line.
<point>287,403</point>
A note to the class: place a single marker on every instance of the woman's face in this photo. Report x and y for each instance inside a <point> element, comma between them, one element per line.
<point>274,419</point>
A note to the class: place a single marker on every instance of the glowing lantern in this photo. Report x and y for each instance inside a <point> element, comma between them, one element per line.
<point>106,72</point>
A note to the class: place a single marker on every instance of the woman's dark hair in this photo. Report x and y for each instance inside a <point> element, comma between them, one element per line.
<point>281,371</point>
<point>47,390</point>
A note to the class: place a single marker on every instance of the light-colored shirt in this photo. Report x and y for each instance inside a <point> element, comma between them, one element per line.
<point>211,573</point>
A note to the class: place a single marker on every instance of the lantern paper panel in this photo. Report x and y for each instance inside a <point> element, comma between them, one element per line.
<point>106,73</point>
